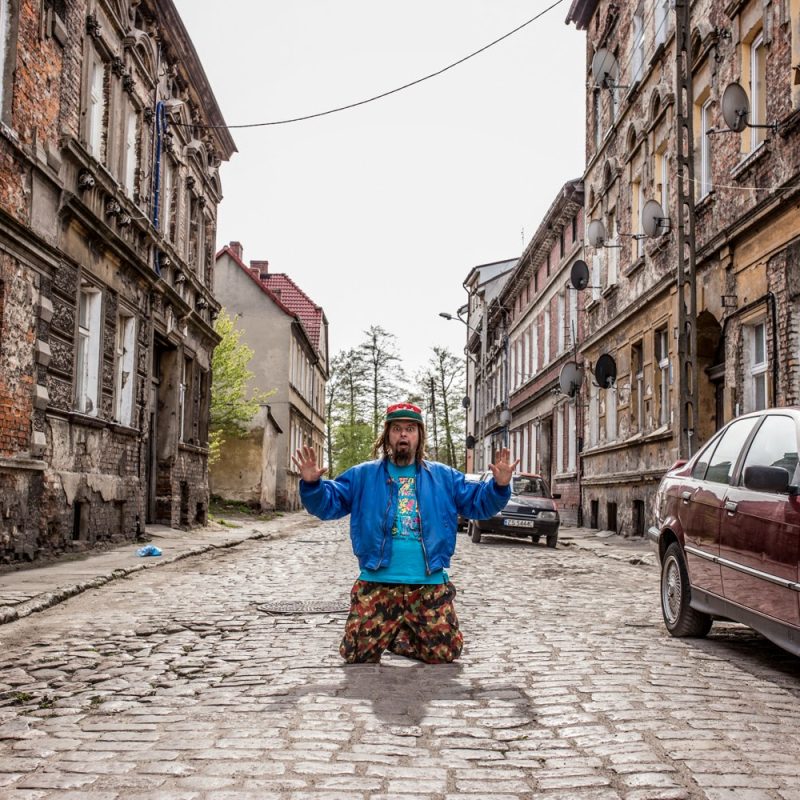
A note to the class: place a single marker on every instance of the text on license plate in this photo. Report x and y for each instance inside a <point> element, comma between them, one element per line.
<point>520,523</point>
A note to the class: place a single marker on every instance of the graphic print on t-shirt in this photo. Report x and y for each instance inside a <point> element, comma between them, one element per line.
<point>406,524</point>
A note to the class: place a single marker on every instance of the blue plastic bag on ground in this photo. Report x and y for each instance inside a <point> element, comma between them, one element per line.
<point>148,550</point>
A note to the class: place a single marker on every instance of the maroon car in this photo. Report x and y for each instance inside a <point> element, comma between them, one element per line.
<point>727,531</point>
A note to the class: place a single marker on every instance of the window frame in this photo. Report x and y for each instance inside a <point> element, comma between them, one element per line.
<point>88,349</point>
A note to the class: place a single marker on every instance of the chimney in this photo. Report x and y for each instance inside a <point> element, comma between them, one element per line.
<point>262,267</point>
<point>236,248</point>
<point>254,273</point>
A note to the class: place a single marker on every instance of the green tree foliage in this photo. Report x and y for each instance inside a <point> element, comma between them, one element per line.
<point>231,409</point>
<point>349,435</point>
<point>365,379</point>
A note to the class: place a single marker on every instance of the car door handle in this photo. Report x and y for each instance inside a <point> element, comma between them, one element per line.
<point>730,506</point>
<point>686,496</point>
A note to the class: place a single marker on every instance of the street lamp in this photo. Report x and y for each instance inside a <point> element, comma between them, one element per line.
<point>477,407</point>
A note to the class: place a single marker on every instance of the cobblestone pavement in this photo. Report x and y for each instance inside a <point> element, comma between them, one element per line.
<point>218,676</point>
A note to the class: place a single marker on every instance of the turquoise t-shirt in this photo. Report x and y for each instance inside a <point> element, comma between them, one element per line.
<point>407,564</point>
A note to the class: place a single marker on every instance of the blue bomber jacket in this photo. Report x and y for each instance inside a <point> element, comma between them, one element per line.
<point>369,495</point>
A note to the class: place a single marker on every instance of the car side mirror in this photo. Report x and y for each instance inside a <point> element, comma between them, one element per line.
<point>767,479</point>
<point>556,495</point>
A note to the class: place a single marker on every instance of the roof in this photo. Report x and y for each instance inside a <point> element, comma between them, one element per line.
<point>287,296</point>
<point>300,304</point>
<point>580,13</point>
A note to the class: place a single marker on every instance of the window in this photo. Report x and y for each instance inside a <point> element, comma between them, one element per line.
<point>167,227</point>
<point>572,443</point>
<point>96,108</point>
<point>637,203</point>
<point>595,277</point>
<point>774,445</point>
<point>5,46</point>
<point>612,251</point>
<point>130,152</point>
<point>661,21</point>
<point>637,386</point>
<point>662,186</point>
<point>664,375</point>
<point>546,337</point>
<point>87,350</point>
<point>594,414</point>
<point>756,343</point>
<point>184,401</point>
<point>572,331</point>
<point>125,378</point>
<point>758,93</point>
<point>722,463</point>
<point>596,119</point>
<point>637,61</point>
<point>560,438</point>
<point>703,170</point>
<point>562,323</point>
<point>535,347</point>
<point>611,414</point>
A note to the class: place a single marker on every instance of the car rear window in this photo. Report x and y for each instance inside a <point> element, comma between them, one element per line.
<point>534,486</point>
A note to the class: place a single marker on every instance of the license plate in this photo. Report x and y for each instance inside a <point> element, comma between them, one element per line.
<point>520,523</point>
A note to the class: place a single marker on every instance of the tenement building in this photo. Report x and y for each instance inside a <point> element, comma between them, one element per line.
<point>110,147</point>
<point>690,318</point>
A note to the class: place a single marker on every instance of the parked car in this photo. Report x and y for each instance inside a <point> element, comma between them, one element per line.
<point>727,531</point>
<point>531,511</point>
<point>471,477</point>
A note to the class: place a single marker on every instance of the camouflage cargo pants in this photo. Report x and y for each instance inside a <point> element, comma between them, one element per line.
<point>416,621</point>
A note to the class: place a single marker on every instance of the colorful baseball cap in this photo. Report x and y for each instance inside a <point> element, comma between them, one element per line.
<point>404,411</point>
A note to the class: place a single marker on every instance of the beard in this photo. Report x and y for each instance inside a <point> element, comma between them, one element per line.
<point>402,455</point>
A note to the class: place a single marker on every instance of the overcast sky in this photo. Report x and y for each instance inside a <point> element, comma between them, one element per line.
<point>378,213</point>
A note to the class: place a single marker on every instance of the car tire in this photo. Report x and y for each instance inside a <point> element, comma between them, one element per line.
<point>679,617</point>
<point>475,532</point>
<point>552,539</point>
<point>535,538</point>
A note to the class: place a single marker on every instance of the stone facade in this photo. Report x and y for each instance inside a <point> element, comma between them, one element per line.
<point>288,334</point>
<point>108,199</point>
<point>746,222</point>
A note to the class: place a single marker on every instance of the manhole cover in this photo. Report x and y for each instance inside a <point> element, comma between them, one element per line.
<point>306,607</point>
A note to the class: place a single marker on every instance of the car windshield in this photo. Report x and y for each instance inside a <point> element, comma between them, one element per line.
<point>523,484</point>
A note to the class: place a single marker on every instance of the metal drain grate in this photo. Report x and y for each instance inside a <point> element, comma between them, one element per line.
<point>306,607</point>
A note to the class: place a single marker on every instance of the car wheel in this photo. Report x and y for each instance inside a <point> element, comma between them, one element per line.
<point>552,539</point>
<point>535,538</point>
<point>475,532</point>
<point>679,617</point>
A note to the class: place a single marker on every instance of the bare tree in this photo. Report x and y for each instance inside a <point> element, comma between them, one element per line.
<point>443,381</point>
<point>385,369</point>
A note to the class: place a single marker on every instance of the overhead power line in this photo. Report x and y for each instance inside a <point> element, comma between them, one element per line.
<point>382,94</point>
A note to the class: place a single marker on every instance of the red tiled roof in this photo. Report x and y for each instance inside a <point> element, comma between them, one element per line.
<point>299,302</point>
<point>287,295</point>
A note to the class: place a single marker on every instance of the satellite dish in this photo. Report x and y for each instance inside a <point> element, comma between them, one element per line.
<point>605,371</point>
<point>505,417</point>
<point>579,275</point>
<point>570,378</point>
<point>470,442</point>
<point>596,233</point>
<point>605,69</point>
<point>465,401</point>
<point>653,219</point>
<point>735,107</point>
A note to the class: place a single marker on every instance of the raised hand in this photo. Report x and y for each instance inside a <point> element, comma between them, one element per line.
<point>501,469</point>
<point>305,459</point>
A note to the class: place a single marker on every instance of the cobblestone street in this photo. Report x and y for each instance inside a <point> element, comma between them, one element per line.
<point>218,676</point>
